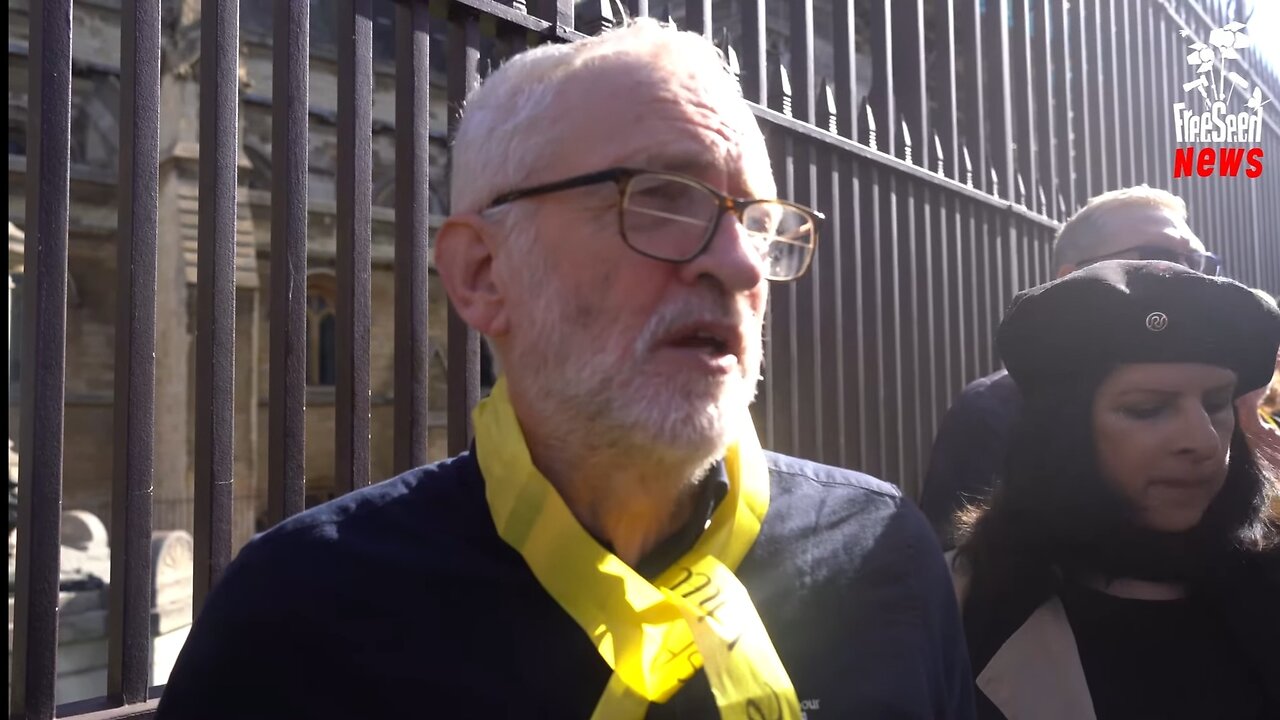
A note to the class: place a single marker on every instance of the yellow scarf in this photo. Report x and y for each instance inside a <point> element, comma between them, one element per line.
<point>656,635</point>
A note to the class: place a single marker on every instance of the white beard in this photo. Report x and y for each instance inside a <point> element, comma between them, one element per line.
<point>602,389</point>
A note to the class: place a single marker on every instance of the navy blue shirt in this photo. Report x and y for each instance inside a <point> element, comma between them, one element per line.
<point>969,450</point>
<point>401,600</point>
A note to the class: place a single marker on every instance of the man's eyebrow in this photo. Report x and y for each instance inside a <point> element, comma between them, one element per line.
<point>667,161</point>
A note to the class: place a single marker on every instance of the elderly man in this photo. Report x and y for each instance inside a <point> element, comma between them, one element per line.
<point>1135,223</point>
<point>616,544</point>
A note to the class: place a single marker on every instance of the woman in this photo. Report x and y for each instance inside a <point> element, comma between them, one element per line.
<point>1127,565</point>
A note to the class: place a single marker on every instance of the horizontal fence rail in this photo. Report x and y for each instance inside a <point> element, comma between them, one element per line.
<point>945,140</point>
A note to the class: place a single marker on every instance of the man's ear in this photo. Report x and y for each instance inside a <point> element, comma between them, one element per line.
<point>464,261</point>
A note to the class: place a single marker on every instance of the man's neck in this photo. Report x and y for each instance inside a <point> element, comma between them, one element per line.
<point>628,497</point>
<point>628,501</point>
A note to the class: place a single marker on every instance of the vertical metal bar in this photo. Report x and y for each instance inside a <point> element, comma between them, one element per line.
<point>1140,61</point>
<point>947,126</point>
<point>44,288</point>
<point>355,203</point>
<point>216,294</point>
<point>973,106</point>
<point>802,80</point>
<point>1163,138</point>
<point>829,293</point>
<point>1063,132</point>
<point>697,16</point>
<point>883,97</point>
<point>464,342</point>
<point>286,428</point>
<point>892,357</point>
<point>1104,155</point>
<point>938,275</point>
<point>908,325</point>
<point>846,69</point>
<point>1049,80</point>
<point>1001,119</point>
<point>809,329</point>
<point>755,66</point>
<point>949,268</point>
<point>909,59</point>
<point>413,145</point>
<point>989,270</point>
<point>786,315</point>
<point>836,422</point>
<point>971,275</point>
<point>855,345</point>
<point>873,303</point>
<point>1082,105</point>
<point>934,347</point>
<point>638,8</point>
<point>1128,106</point>
<point>129,619</point>
<point>1025,83</point>
<point>558,12</point>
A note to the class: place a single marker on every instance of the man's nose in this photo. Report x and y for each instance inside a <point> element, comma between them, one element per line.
<point>731,258</point>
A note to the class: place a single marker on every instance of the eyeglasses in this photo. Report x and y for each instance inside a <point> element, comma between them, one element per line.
<point>672,217</point>
<point>1201,262</point>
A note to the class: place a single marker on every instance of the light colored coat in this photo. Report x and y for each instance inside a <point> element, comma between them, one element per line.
<point>1036,674</point>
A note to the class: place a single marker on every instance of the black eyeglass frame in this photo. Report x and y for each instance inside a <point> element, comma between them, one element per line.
<point>622,177</point>
<point>1210,260</point>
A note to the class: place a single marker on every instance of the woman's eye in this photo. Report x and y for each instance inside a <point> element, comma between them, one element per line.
<point>1217,406</point>
<point>1143,412</point>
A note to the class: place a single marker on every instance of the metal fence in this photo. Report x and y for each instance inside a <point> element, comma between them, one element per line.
<point>987,123</point>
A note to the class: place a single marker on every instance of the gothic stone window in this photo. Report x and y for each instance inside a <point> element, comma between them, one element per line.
<point>321,330</point>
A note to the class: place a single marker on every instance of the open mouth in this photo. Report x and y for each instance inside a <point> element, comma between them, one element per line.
<point>704,341</point>
<point>721,343</point>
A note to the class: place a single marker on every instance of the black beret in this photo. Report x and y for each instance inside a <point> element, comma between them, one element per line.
<point>1126,311</point>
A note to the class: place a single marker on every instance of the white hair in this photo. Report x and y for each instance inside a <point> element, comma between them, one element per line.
<point>496,146</point>
<point>1088,233</point>
<point>495,149</point>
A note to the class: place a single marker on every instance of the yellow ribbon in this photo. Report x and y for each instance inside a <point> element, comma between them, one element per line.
<point>655,636</point>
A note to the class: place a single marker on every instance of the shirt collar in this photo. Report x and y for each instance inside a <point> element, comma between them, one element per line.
<point>710,491</point>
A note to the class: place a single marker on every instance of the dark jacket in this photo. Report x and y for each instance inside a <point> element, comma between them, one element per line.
<point>969,450</point>
<point>1046,660</point>
<point>400,600</point>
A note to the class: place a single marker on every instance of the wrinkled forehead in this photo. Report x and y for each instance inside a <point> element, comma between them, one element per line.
<point>641,112</point>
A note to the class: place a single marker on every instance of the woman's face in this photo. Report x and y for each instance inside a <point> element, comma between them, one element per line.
<point>1163,431</point>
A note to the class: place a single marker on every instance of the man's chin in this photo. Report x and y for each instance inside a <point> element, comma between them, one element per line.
<point>700,424</point>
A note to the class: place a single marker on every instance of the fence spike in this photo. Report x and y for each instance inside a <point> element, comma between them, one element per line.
<point>597,16</point>
<point>1022,190</point>
<point>968,166</point>
<point>781,90</point>
<point>871,127</point>
<point>1062,207</point>
<point>827,106</point>
<point>937,152</point>
<point>995,182</point>
<point>730,55</point>
<point>906,141</point>
<point>1044,206</point>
